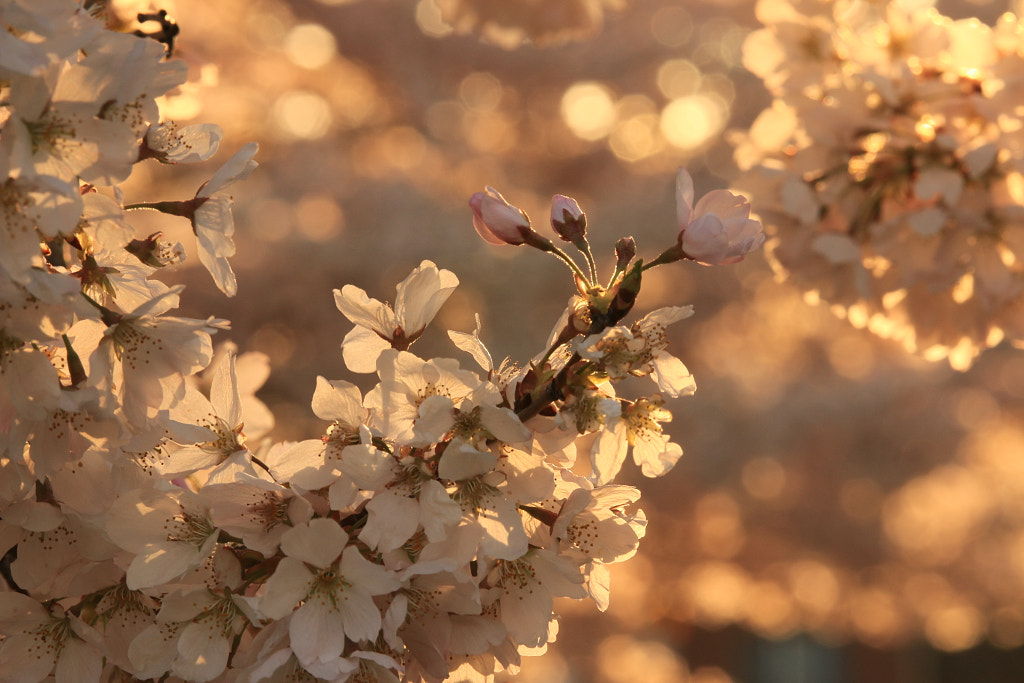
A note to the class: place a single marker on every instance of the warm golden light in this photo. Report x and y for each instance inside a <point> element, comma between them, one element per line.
<point>309,46</point>
<point>429,19</point>
<point>619,658</point>
<point>318,217</point>
<point>301,114</point>
<point>480,91</point>
<point>691,121</point>
<point>671,26</point>
<point>764,478</point>
<point>678,78</point>
<point>588,110</point>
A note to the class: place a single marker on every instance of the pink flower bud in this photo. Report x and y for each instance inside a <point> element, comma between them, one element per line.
<point>567,219</point>
<point>497,221</point>
<point>718,230</point>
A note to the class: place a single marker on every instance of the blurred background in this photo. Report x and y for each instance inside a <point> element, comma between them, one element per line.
<point>843,512</point>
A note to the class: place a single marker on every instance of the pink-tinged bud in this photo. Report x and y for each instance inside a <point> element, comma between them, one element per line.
<point>497,221</point>
<point>718,230</point>
<point>567,219</point>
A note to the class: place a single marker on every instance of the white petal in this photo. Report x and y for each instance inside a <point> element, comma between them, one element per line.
<point>161,564</point>
<point>338,400</point>
<point>286,587</point>
<point>438,512</point>
<point>25,659</point>
<point>224,390</point>
<point>369,468</point>
<point>360,615</point>
<point>504,537</point>
<point>608,453</point>
<point>599,584</point>
<point>461,461</point>
<point>393,519</point>
<point>317,632</point>
<point>435,416</point>
<point>504,424</point>
<point>672,376</point>
<point>203,651</point>
<point>361,348</point>
<point>317,543</point>
<point>421,295</point>
<point>236,168</point>
<point>364,311</point>
<point>152,652</point>
<point>372,578</point>
<point>471,344</point>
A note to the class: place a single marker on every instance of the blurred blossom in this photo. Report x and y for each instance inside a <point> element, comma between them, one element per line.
<point>886,173</point>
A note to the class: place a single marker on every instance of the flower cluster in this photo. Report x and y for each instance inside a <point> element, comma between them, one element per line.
<point>151,531</point>
<point>887,170</point>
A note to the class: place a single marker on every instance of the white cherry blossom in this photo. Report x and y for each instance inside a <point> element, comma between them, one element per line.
<point>418,298</point>
<point>213,222</point>
<point>329,587</point>
<point>40,641</point>
<point>167,532</point>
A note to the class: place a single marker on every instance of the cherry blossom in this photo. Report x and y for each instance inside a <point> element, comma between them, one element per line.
<point>422,534</point>
<point>497,221</point>
<point>378,326</point>
<point>212,221</point>
<point>718,230</point>
<point>330,587</point>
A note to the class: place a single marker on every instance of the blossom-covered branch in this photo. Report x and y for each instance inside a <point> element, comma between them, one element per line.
<point>153,531</point>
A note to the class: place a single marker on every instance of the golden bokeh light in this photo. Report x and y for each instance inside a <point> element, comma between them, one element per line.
<point>719,525</point>
<point>718,592</point>
<point>588,110</point>
<point>309,46</point>
<point>672,26</point>
<point>815,587</point>
<point>620,657</point>
<point>678,78</point>
<point>877,617</point>
<point>635,137</point>
<point>764,478</point>
<point>301,114</point>
<point>692,121</point>
<point>318,217</point>
<point>480,92</point>
<point>430,20</point>
<point>710,674</point>
<point>954,627</point>
<point>932,517</point>
<point>769,610</point>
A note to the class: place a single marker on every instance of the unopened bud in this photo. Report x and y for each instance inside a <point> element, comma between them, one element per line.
<point>567,219</point>
<point>625,250</point>
<point>497,221</point>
